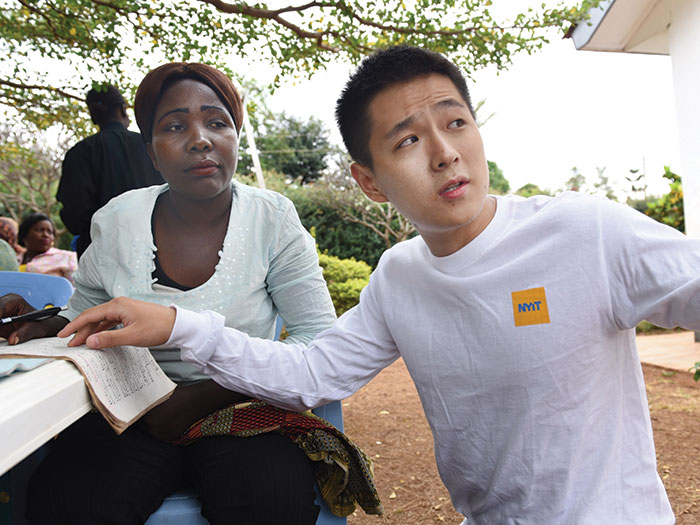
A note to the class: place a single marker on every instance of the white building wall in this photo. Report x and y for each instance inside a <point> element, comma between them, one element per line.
<point>684,47</point>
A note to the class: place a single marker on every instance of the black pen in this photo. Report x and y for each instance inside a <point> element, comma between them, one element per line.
<point>35,315</point>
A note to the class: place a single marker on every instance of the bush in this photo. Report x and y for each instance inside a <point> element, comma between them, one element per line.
<point>668,209</point>
<point>345,240</point>
<point>647,328</point>
<point>696,370</point>
<point>345,279</point>
<point>333,234</point>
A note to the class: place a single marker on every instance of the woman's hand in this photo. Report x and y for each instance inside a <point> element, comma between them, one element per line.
<point>169,420</point>
<point>145,324</point>
<point>15,333</point>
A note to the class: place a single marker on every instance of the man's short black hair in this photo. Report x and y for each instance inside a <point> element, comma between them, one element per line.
<point>389,66</point>
<point>103,102</point>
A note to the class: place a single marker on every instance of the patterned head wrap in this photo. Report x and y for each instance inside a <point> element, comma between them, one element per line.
<point>8,230</point>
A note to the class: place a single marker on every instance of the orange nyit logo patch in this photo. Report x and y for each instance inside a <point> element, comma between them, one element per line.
<point>530,307</point>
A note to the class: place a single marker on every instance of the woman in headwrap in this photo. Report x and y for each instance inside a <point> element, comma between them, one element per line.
<point>201,241</point>
<point>9,250</point>
<point>37,234</point>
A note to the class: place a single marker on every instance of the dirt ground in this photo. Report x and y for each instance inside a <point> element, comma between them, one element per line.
<point>386,420</point>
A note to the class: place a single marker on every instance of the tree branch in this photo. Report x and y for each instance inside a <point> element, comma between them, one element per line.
<point>41,14</point>
<point>19,85</point>
<point>256,12</point>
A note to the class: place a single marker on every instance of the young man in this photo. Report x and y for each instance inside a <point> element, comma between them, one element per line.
<point>515,317</point>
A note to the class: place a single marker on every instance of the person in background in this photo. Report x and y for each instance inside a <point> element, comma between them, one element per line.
<point>103,165</point>
<point>37,234</point>
<point>9,250</point>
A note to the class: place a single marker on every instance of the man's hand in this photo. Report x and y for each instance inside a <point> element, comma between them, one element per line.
<point>15,333</point>
<point>145,324</point>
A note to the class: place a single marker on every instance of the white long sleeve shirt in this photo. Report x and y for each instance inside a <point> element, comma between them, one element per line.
<point>522,349</point>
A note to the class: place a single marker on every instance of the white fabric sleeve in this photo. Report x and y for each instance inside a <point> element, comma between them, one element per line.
<point>653,270</point>
<point>335,364</point>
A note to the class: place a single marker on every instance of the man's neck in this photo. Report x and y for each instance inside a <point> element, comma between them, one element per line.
<point>447,243</point>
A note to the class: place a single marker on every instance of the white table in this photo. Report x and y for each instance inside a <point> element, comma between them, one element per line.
<point>36,405</point>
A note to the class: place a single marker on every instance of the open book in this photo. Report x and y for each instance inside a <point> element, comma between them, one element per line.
<point>124,382</point>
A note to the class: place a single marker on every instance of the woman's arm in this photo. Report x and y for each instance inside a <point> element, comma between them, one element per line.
<point>295,281</point>
<point>148,324</point>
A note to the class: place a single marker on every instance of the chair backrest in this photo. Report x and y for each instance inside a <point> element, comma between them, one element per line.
<point>38,289</point>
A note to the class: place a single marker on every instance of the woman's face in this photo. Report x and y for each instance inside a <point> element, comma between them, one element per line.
<point>40,237</point>
<point>194,144</point>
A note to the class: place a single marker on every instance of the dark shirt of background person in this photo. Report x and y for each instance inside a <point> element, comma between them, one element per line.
<point>103,165</point>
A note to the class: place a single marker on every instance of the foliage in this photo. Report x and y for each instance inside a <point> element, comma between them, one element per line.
<point>497,182</point>
<point>337,236</point>
<point>334,235</point>
<point>641,205</point>
<point>345,279</point>
<point>603,187</point>
<point>338,191</point>
<point>29,175</point>
<point>86,41</point>
<point>529,189</point>
<point>696,370</point>
<point>647,328</point>
<point>668,209</point>
<point>286,144</point>
<point>576,182</point>
<point>638,182</point>
<point>478,108</point>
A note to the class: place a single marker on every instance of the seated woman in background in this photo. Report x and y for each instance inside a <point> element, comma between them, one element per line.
<point>204,242</point>
<point>37,234</point>
<point>8,245</point>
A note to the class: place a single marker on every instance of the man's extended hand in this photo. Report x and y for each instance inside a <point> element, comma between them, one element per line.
<point>145,324</point>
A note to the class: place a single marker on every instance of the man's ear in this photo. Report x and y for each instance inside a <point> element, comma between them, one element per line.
<point>151,153</point>
<point>124,116</point>
<point>365,178</point>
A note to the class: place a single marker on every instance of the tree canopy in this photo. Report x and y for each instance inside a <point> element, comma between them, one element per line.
<point>497,181</point>
<point>295,147</point>
<point>56,49</point>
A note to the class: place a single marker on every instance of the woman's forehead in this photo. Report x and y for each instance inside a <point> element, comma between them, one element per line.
<point>188,92</point>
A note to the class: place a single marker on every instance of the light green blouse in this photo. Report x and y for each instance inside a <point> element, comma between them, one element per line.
<point>8,257</point>
<point>268,266</point>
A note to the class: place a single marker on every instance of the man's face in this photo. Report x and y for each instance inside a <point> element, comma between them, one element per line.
<point>428,160</point>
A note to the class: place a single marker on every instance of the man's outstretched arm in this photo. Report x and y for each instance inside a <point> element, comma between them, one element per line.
<point>294,376</point>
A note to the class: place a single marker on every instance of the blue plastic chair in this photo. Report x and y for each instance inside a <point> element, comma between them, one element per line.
<point>184,508</point>
<point>39,290</point>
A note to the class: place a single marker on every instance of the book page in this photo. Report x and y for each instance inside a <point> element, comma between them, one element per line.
<point>124,382</point>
